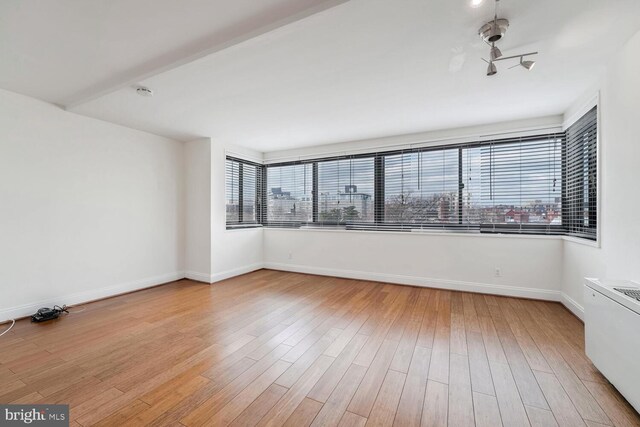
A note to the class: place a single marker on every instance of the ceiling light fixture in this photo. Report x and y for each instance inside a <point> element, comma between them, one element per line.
<point>491,69</point>
<point>527,64</point>
<point>495,52</point>
<point>144,91</point>
<point>493,31</point>
<point>476,3</point>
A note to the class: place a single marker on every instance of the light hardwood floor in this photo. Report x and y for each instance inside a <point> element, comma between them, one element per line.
<point>272,348</point>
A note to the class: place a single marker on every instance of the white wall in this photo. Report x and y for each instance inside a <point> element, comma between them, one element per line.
<point>87,208</point>
<point>619,254</point>
<point>530,266</point>
<point>238,251</point>
<point>198,209</point>
<point>90,209</point>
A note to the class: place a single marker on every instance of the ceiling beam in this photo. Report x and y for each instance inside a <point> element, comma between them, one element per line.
<point>198,50</point>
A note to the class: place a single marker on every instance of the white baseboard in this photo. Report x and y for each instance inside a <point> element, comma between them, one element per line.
<point>236,272</point>
<point>455,285</point>
<point>90,295</point>
<point>198,277</point>
<point>494,289</point>
<point>572,305</point>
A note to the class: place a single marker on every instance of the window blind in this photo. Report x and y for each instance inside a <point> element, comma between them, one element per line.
<point>580,213</point>
<point>345,191</point>
<point>289,194</point>
<point>243,192</point>
<point>422,188</point>
<point>520,185</point>
<point>540,184</point>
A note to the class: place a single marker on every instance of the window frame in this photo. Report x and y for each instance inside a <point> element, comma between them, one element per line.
<point>379,164</point>
<point>589,119</point>
<point>258,197</point>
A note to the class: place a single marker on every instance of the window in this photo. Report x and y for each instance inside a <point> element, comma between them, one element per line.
<point>540,184</point>
<point>580,178</point>
<point>243,192</point>
<point>346,191</point>
<point>289,194</point>
<point>422,188</point>
<point>520,185</point>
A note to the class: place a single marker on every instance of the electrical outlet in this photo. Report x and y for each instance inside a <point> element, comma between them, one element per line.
<point>498,272</point>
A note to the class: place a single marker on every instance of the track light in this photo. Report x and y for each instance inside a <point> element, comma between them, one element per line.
<point>493,31</point>
<point>491,69</point>
<point>495,52</point>
<point>527,64</point>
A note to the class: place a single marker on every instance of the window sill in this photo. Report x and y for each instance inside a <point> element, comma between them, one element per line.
<point>243,227</point>
<point>451,233</point>
<point>580,241</point>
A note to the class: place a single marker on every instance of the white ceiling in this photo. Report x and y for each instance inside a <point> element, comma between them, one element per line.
<point>65,51</point>
<point>362,69</point>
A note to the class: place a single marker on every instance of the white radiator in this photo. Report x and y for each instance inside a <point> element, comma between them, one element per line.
<point>612,334</point>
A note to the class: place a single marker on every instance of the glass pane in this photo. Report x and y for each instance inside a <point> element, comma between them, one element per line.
<point>422,188</point>
<point>249,188</point>
<point>521,182</point>
<point>289,197</point>
<point>232,178</point>
<point>346,190</point>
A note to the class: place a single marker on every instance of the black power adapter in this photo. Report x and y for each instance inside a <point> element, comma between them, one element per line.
<point>46,313</point>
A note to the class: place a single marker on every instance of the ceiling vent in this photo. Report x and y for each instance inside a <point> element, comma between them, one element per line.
<point>144,91</point>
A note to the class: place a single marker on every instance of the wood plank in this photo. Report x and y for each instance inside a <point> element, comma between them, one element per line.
<point>259,407</point>
<point>511,407</point>
<point>296,394</point>
<point>561,406</point>
<point>487,413</point>
<point>439,368</point>
<point>334,374</point>
<point>481,380</point>
<point>304,414</point>
<point>412,399</point>
<point>161,355</point>
<point>336,405</point>
<point>436,402</point>
<point>540,417</point>
<point>250,393</point>
<point>460,397</point>
<point>384,409</point>
<point>365,396</point>
<point>618,410</point>
<point>352,420</point>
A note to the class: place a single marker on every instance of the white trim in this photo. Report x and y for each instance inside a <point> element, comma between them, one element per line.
<point>243,156</point>
<point>580,241</point>
<point>217,277</point>
<point>528,127</point>
<point>417,233</point>
<point>198,277</point>
<point>572,305</point>
<point>575,115</point>
<point>593,101</point>
<point>87,296</point>
<point>454,285</point>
